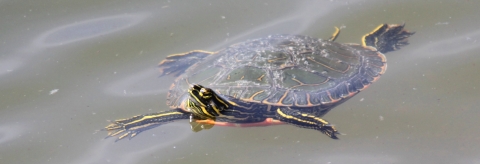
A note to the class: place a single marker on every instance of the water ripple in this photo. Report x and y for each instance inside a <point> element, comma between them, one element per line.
<point>87,29</point>
<point>9,132</point>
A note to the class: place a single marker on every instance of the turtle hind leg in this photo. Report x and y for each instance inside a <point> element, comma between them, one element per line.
<point>306,120</point>
<point>176,64</point>
<point>387,37</point>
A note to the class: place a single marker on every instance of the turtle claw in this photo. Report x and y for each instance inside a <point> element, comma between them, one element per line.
<point>117,128</point>
<point>330,131</point>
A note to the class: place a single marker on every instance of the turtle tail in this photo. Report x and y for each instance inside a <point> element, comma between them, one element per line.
<point>387,37</point>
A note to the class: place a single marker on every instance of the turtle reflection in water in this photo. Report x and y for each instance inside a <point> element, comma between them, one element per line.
<point>274,80</point>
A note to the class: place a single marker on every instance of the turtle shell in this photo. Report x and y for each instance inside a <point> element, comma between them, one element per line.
<point>284,70</point>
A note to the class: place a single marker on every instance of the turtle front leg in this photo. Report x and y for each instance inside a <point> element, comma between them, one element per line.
<point>137,124</point>
<point>306,120</point>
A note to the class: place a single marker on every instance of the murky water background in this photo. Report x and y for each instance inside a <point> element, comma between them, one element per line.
<point>68,66</point>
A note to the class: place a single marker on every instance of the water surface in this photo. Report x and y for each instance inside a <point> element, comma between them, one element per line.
<point>68,67</point>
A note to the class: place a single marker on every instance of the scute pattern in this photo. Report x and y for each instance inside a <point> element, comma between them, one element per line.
<point>285,70</point>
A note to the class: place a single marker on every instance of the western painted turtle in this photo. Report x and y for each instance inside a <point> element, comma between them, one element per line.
<point>273,80</point>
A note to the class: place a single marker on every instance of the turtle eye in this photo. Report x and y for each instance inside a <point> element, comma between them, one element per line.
<point>205,93</point>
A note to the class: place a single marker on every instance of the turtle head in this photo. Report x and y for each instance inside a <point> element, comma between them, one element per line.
<point>200,93</point>
<point>206,97</point>
<point>204,102</point>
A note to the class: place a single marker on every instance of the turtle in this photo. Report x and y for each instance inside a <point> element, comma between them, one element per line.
<point>278,79</point>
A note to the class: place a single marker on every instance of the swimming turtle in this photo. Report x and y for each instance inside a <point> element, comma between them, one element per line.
<point>278,79</point>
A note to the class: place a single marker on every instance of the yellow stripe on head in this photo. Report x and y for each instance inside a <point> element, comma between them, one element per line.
<point>204,110</point>
<point>214,106</point>
<point>196,98</point>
